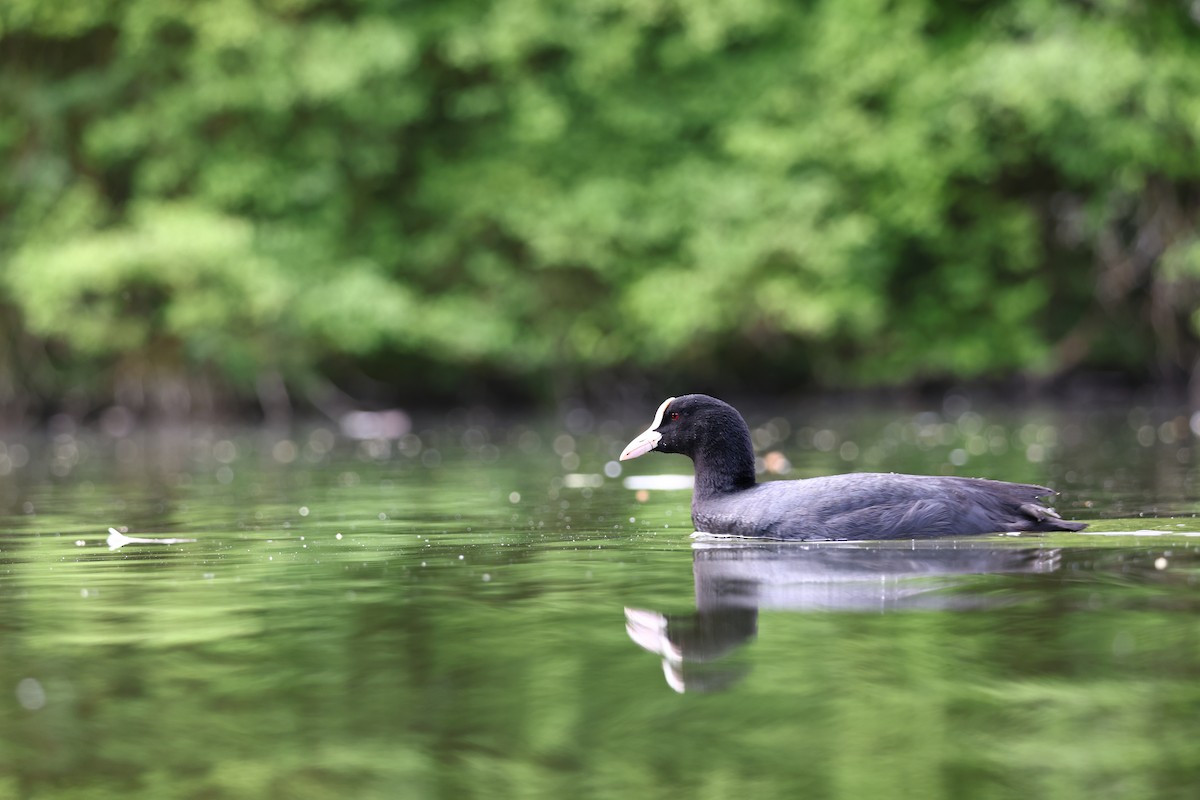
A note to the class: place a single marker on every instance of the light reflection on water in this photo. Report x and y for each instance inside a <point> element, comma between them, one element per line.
<point>449,614</point>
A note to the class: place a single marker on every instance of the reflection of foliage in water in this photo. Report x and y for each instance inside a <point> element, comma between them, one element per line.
<point>464,638</point>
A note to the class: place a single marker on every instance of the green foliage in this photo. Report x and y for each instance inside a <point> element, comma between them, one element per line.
<point>865,191</point>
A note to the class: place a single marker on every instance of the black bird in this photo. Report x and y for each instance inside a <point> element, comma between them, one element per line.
<point>728,500</point>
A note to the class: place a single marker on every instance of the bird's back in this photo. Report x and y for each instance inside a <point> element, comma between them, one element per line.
<point>876,506</point>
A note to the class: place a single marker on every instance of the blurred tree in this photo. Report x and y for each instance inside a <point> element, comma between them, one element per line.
<point>536,192</point>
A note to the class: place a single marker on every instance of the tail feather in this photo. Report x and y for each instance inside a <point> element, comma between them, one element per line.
<point>1047,519</point>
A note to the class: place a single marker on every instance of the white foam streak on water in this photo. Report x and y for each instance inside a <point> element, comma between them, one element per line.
<point>577,480</point>
<point>1140,533</point>
<point>117,540</point>
<point>667,482</point>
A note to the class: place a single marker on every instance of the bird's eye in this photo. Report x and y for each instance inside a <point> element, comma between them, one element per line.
<point>674,415</point>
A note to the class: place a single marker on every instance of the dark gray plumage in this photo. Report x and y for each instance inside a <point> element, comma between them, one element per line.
<point>727,499</point>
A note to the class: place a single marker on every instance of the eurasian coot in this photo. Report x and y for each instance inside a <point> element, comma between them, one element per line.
<point>728,500</point>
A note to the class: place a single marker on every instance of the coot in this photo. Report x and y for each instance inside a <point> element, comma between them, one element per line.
<point>727,500</point>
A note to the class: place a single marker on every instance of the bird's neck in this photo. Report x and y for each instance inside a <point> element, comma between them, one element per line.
<point>724,466</point>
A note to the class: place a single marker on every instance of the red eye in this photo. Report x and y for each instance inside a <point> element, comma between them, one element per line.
<point>674,415</point>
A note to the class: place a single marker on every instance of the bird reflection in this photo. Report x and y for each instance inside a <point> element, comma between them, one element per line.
<point>735,579</point>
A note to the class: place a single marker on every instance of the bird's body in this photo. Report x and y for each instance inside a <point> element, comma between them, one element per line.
<point>728,500</point>
<point>875,506</point>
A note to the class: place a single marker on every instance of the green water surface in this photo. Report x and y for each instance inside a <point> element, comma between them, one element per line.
<point>483,609</point>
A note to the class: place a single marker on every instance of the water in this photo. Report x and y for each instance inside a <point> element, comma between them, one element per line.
<point>482,609</point>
